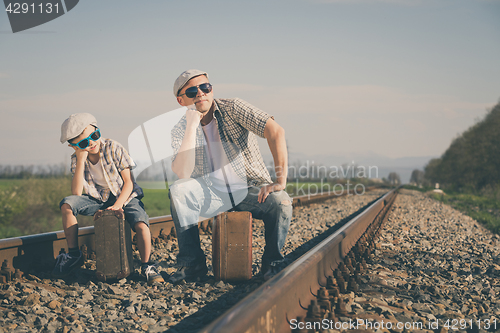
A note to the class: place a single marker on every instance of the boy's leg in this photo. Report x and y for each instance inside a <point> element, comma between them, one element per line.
<point>143,241</point>
<point>70,225</point>
<point>139,222</point>
<point>276,212</point>
<point>70,208</point>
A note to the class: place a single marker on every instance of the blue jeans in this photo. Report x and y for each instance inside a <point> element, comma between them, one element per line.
<point>87,205</point>
<point>192,198</point>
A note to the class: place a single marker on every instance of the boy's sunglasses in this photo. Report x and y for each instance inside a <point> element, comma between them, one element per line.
<point>191,92</point>
<point>82,144</point>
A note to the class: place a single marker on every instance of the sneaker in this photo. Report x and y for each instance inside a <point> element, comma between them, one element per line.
<point>189,273</point>
<point>268,271</point>
<point>65,264</point>
<point>150,271</point>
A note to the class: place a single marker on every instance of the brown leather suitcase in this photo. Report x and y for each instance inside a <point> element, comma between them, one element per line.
<point>232,246</point>
<point>113,245</point>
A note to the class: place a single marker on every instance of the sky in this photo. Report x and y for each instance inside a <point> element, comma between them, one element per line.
<point>391,78</point>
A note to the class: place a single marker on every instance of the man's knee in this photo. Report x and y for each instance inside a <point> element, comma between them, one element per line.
<point>280,198</point>
<point>183,188</point>
<point>281,202</point>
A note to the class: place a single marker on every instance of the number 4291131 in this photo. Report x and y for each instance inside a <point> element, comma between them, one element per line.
<point>24,8</point>
<point>462,324</point>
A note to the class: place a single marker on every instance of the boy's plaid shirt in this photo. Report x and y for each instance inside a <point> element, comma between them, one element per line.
<point>237,121</point>
<point>114,158</point>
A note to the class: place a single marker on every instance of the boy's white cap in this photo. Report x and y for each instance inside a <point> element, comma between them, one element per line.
<point>75,125</point>
<point>185,77</point>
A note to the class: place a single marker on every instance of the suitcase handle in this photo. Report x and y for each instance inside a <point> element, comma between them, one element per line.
<point>100,213</point>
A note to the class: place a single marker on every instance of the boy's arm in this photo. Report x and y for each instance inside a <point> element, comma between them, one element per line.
<point>127,189</point>
<point>78,178</point>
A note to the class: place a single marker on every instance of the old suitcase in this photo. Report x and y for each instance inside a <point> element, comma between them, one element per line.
<point>232,246</point>
<point>113,245</point>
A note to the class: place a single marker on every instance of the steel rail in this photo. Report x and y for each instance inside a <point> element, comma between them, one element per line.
<point>39,251</point>
<point>283,298</point>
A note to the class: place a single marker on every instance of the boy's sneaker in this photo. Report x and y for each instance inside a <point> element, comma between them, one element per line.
<point>189,273</point>
<point>65,264</point>
<point>150,271</point>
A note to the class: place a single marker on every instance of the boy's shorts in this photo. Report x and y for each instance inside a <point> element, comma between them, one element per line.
<point>87,205</point>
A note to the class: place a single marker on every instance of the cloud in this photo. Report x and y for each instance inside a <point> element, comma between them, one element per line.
<point>3,75</point>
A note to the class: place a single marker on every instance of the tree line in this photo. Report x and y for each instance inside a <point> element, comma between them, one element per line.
<point>30,171</point>
<point>472,162</point>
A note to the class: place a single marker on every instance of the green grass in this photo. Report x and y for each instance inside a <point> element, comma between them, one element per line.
<point>30,206</point>
<point>423,189</point>
<point>483,209</point>
<point>156,202</point>
<point>8,183</point>
<point>155,199</point>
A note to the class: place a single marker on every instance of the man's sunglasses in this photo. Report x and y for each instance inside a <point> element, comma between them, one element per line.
<point>191,92</point>
<point>82,144</point>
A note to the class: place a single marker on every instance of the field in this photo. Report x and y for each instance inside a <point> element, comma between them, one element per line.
<point>29,206</point>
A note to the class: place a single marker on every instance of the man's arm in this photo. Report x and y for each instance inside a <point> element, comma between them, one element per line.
<point>275,135</point>
<point>183,165</point>
<point>127,189</point>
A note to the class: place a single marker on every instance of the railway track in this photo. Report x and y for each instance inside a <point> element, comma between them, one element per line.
<point>330,267</point>
<point>32,253</point>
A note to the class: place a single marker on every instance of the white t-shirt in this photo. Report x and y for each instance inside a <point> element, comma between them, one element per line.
<point>219,162</point>
<point>97,172</point>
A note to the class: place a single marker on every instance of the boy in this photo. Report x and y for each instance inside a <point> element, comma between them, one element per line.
<point>101,167</point>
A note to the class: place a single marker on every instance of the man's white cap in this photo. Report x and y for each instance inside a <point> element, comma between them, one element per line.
<point>75,125</point>
<point>184,78</point>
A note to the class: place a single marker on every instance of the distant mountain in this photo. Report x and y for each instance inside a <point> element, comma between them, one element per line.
<point>383,164</point>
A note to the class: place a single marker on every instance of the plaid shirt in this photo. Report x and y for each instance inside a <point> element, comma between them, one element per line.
<point>114,159</point>
<point>237,121</point>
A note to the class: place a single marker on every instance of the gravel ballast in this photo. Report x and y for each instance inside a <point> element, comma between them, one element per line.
<point>432,266</point>
<point>434,270</point>
<point>82,304</point>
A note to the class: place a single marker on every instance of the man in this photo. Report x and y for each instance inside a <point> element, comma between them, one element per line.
<point>220,168</point>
